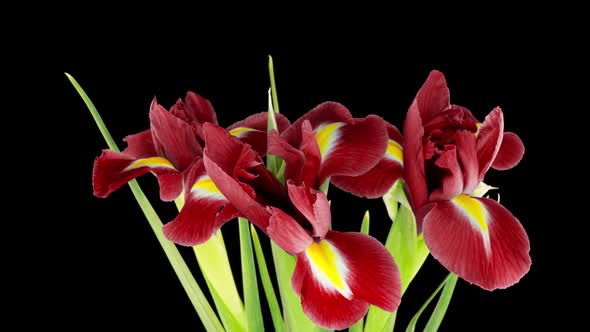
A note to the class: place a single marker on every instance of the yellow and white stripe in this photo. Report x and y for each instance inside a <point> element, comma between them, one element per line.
<point>328,267</point>
<point>152,162</point>
<point>326,136</point>
<point>204,187</point>
<point>394,152</point>
<point>477,216</point>
<point>240,132</point>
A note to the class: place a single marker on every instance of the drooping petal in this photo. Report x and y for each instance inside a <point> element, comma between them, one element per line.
<point>252,130</point>
<point>466,148</point>
<point>414,157</point>
<point>140,145</point>
<point>323,114</point>
<point>204,212</point>
<point>433,97</point>
<point>511,152</point>
<point>479,240</point>
<point>286,232</point>
<point>173,138</point>
<point>372,274</point>
<point>489,139</point>
<point>452,181</point>
<point>114,169</point>
<point>354,148</point>
<point>314,206</point>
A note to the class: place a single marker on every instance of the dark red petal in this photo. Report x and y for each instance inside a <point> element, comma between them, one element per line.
<point>294,158</point>
<point>286,232</point>
<point>314,206</point>
<point>253,130</point>
<point>488,248</point>
<point>299,273</point>
<point>393,132</point>
<point>223,149</point>
<point>327,112</point>
<point>489,139</point>
<point>199,109</point>
<point>452,182</point>
<point>313,159</point>
<point>327,308</point>
<point>466,148</point>
<point>359,147</point>
<point>140,145</point>
<point>373,184</point>
<point>174,139</point>
<point>414,158</point>
<point>373,275</point>
<point>511,152</point>
<point>236,194</point>
<point>114,169</point>
<point>433,97</point>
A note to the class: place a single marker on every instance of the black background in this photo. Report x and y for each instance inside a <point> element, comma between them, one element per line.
<point>109,269</point>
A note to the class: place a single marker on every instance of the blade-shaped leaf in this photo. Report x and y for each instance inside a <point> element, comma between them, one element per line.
<point>271,297</point>
<point>192,289</point>
<point>441,306</point>
<point>358,326</point>
<point>249,280</point>
<point>450,280</point>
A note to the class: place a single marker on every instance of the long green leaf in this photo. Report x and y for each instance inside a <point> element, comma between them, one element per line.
<point>412,325</point>
<point>271,297</point>
<point>358,326</point>
<point>441,306</point>
<point>249,280</point>
<point>192,289</point>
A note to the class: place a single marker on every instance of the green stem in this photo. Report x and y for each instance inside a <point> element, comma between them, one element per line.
<point>273,86</point>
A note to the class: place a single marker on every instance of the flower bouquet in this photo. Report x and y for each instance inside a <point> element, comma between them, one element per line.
<point>273,175</point>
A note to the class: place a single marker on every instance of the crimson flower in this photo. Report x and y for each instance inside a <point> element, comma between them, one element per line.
<point>446,153</point>
<point>172,149</point>
<point>337,275</point>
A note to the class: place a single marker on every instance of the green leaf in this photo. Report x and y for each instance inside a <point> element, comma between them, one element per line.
<point>273,86</point>
<point>450,280</point>
<point>441,306</point>
<point>250,282</point>
<point>271,298</point>
<point>192,289</point>
<point>358,326</point>
<point>271,160</point>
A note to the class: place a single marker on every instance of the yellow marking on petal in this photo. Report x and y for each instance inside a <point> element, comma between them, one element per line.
<point>326,136</point>
<point>474,209</point>
<point>150,162</point>
<point>478,125</point>
<point>240,131</point>
<point>395,151</point>
<point>325,260</point>
<point>205,185</point>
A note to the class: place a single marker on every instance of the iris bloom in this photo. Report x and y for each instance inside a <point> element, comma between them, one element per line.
<point>337,275</point>
<point>172,149</point>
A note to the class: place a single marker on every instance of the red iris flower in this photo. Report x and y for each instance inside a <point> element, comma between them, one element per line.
<point>447,153</point>
<point>172,150</point>
<point>337,275</point>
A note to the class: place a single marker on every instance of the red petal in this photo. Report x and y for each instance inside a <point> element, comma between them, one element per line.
<point>326,308</point>
<point>253,130</point>
<point>314,206</point>
<point>328,112</point>
<point>114,169</point>
<point>140,145</point>
<point>373,275</point>
<point>489,139</point>
<point>414,157</point>
<point>312,160</point>
<point>173,138</point>
<point>287,233</point>
<point>222,148</point>
<point>511,152</point>
<point>299,274</point>
<point>433,97</point>
<point>478,240</point>
<point>452,181</point>
<point>199,109</point>
<point>359,147</point>
<point>466,147</point>
<point>294,159</point>
<point>373,184</point>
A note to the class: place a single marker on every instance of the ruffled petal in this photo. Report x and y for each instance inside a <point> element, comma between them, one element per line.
<point>324,113</point>
<point>433,97</point>
<point>466,148</point>
<point>252,130</point>
<point>114,169</point>
<point>286,232</point>
<point>511,152</point>
<point>489,139</point>
<point>479,240</point>
<point>314,206</point>
<point>414,157</point>
<point>173,137</point>
<point>351,149</point>
<point>452,181</point>
<point>294,158</point>
<point>140,145</point>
